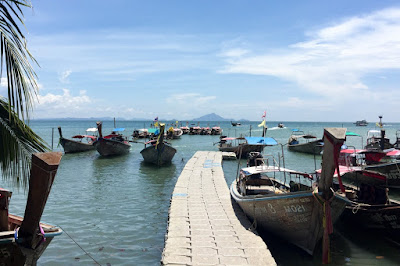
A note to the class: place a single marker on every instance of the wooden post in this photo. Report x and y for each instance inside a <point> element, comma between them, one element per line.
<point>333,137</point>
<point>333,140</point>
<point>5,196</point>
<point>43,171</point>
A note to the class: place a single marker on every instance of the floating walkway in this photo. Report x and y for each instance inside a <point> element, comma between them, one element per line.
<point>205,227</point>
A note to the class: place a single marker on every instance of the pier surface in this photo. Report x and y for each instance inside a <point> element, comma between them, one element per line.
<point>205,227</point>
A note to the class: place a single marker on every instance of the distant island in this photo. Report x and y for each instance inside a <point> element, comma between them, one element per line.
<point>209,117</point>
<point>215,117</point>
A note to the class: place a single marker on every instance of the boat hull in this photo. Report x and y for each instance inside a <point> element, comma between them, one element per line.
<point>391,172</point>
<point>312,147</point>
<point>383,219</point>
<point>107,147</point>
<point>295,216</point>
<point>160,156</point>
<point>15,254</point>
<point>71,146</point>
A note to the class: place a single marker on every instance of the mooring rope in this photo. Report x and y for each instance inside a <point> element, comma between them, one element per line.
<point>80,246</point>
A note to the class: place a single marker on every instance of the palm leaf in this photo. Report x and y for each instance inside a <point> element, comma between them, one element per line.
<point>15,59</point>
<point>17,143</point>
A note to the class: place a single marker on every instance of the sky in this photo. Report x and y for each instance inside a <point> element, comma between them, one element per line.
<point>179,60</point>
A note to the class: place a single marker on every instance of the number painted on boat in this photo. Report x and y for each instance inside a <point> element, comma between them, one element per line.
<point>295,208</point>
<point>300,218</point>
<point>271,208</point>
<point>393,175</point>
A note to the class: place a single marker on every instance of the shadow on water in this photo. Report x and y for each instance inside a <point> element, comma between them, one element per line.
<point>350,245</point>
<point>157,174</point>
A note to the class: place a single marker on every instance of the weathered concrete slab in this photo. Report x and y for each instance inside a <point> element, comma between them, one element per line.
<point>204,227</point>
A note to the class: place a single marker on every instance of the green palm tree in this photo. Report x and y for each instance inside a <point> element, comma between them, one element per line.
<point>17,140</point>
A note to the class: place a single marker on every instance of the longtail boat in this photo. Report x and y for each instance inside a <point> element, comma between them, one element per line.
<point>287,206</point>
<point>242,146</point>
<point>374,167</point>
<point>113,144</point>
<point>158,152</point>
<point>305,143</point>
<point>371,208</point>
<point>24,239</point>
<point>76,144</point>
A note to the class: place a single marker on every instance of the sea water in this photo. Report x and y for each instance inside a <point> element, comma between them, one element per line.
<point>114,211</point>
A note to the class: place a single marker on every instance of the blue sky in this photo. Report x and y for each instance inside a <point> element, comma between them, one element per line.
<point>299,60</point>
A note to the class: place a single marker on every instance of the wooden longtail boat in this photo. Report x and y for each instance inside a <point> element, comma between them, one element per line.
<point>242,146</point>
<point>174,133</point>
<point>292,211</point>
<point>300,142</point>
<point>216,130</point>
<point>158,152</point>
<point>23,240</point>
<point>371,208</point>
<point>71,146</point>
<point>365,166</point>
<point>113,144</point>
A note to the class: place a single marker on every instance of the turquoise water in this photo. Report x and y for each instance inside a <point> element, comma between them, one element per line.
<point>116,209</point>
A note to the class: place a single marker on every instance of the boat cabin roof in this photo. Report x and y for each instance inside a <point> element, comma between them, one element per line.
<point>373,133</point>
<point>118,129</point>
<point>261,141</point>
<point>270,169</point>
<point>84,136</point>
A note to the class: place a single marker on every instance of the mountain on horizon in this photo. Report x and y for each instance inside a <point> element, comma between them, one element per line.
<point>211,117</point>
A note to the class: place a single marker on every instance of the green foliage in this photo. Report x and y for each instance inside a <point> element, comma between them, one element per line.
<point>17,143</point>
<point>17,140</point>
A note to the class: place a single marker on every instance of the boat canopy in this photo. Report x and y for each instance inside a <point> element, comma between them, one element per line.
<point>349,133</point>
<point>84,136</point>
<point>92,129</point>
<point>374,133</point>
<point>270,169</point>
<point>230,138</point>
<point>118,129</point>
<point>261,141</point>
<point>154,131</point>
<point>393,153</point>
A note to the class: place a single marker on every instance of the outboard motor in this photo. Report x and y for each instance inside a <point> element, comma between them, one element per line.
<point>254,159</point>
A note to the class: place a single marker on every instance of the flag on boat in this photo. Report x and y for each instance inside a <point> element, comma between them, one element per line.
<point>264,114</point>
<point>156,119</point>
<point>262,124</point>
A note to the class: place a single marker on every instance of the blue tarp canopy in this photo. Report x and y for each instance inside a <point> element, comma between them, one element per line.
<point>349,133</point>
<point>118,129</point>
<point>261,141</point>
<point>154,131</point>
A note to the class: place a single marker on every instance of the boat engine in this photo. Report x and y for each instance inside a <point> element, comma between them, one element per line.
<point>255,159</point>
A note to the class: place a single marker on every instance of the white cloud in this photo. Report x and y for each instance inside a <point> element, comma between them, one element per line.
<point>61,105</point>
<point>335,59</point>
<point>64,76</point>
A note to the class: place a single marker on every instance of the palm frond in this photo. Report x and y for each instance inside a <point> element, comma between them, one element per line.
<point>17,143</point>
<point>15,59</point>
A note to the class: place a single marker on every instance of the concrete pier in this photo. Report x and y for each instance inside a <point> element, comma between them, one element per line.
<point>205,227</point>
